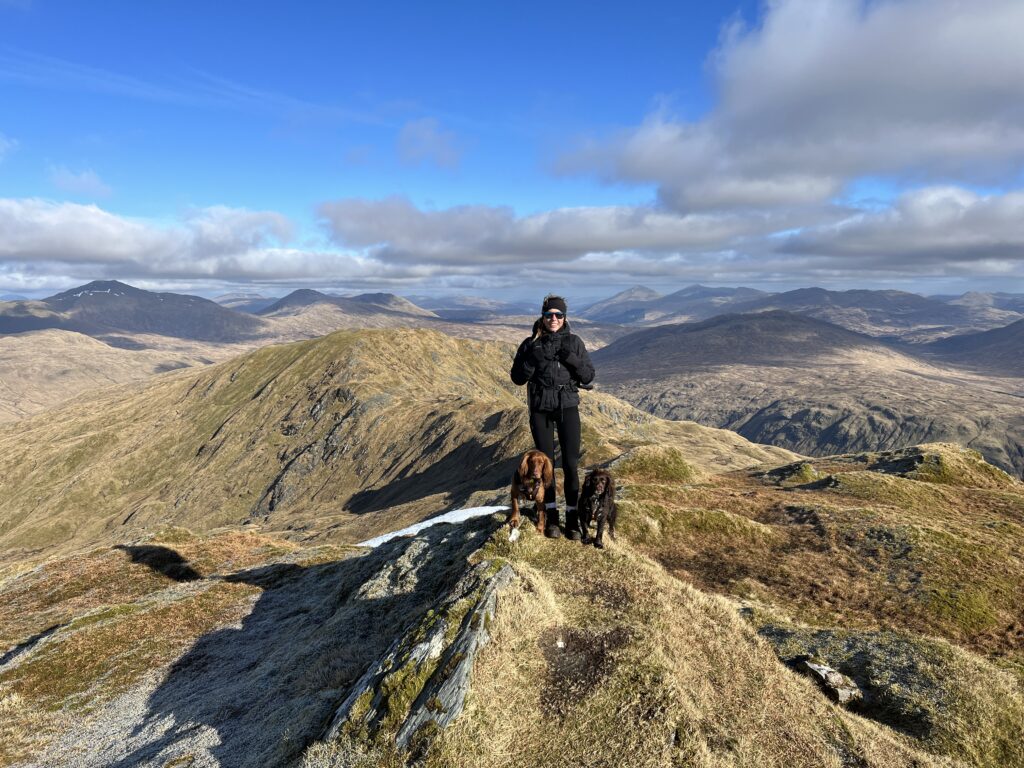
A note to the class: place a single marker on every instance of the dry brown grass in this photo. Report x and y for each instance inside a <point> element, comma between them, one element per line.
<point>858,548</point>
<point>602,659</point>
<point>92,625</point>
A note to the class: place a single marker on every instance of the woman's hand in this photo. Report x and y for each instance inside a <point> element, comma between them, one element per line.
<point>566,356</point>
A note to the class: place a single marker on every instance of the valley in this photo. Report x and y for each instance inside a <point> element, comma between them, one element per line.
<point>815,388</point>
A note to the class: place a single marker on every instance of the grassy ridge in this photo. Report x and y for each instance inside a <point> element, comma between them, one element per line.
<point>305,437</point>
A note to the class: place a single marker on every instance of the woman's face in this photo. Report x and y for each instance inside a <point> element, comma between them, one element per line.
<point>553,320</point>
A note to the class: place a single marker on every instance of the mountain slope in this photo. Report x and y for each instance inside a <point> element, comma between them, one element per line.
<point>40,369</point>
<point>1000,350</point>
<point>670,648</point>
<point>812,387</point>
<point>363,304</point>
<point>245,302</point>
<point>882,313</point>
<point>641,306</point>
<point>1011,302</point>
<point>776,338</point>
<point>624,307</point>
<point>308,437</point>
<point>114,306</point>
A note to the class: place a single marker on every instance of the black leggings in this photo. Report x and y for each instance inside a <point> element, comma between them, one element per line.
<point>567,421</point>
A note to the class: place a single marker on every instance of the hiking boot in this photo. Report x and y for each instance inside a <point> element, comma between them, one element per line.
<point>572,525</point>
<point>552,531</point>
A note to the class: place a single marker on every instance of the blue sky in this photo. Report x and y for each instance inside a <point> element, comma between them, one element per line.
<point>507,148</point>
<point>155,97</point>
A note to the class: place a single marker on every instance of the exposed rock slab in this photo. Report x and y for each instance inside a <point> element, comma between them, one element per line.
<point>420,683</point>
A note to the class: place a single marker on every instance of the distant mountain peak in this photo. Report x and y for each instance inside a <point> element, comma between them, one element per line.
<point>97,287</point>
<point>636,292</point>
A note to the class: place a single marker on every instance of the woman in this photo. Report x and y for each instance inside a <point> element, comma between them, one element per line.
<point>554,364</point>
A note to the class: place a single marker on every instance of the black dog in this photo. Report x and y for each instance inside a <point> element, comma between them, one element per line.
<point>597,502</point>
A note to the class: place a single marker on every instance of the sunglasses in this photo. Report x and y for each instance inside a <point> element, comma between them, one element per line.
<point>549,315</point>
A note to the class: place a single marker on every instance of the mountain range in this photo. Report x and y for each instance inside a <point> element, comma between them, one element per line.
<point>897,314</point>
<point>109,308</point>
<point>801,383</point>
<point>838,373</point>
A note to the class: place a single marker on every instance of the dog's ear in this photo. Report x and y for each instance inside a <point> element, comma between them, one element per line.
<point>524,467</point>
<point>609,487</point>
<point>549,473</point>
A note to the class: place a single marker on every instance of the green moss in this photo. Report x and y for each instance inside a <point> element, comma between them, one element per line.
<point>181,761</point>
<point>111,612</point>
<point>456,614</point>
<point>355,727</point>
<point>657,464</point>
<point>398,692</point>
<point>967,608</point>
<point>799,473</point>
<point>434,705</point>
<point>174,535</point>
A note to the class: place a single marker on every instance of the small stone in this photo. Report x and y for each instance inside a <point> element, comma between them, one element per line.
<point>837,686</point>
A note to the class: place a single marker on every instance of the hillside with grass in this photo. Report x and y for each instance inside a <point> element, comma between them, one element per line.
<point>40,369</point>
<point>342,437</point>
<point>675,646</point>
<point>181,583</point>
<point>108,332</point>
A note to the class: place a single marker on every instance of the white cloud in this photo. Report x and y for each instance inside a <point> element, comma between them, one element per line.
<point>395,231</point>
<point>205,242</point>
<point>425,141</point>
<point>948,228</point>
<point>825,91</point>
<point>85,183</point>
<point>46,244</point>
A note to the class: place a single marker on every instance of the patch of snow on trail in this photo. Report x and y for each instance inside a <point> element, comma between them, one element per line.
<point>455,516</point>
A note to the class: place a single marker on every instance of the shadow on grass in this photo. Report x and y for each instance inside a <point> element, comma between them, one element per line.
<point>472,465</point>
<point>162,560</point>
<point>28,645</point>
<point>260,692</point>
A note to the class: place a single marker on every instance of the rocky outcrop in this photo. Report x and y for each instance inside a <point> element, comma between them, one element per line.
<point>420,683</point>
<point>246,666</point>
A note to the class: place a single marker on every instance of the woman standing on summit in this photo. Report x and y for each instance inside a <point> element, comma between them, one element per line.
<point>554,364</point>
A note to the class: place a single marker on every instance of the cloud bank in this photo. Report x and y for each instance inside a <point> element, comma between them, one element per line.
<point>826,91</point>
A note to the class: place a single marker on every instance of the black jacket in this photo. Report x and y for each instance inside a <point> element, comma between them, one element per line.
<point>555,365</point>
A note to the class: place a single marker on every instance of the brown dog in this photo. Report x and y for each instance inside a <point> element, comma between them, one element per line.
<point>535,473</point>
<point>597,502</point>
